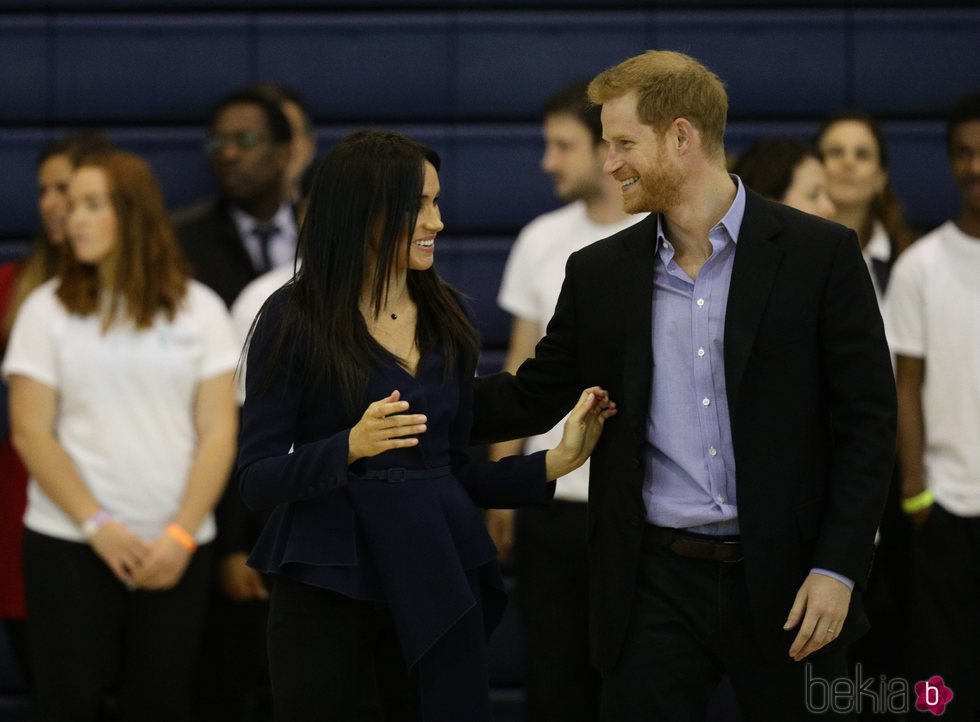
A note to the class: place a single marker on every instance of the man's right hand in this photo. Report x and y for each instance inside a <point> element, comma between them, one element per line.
<point>239,582</point>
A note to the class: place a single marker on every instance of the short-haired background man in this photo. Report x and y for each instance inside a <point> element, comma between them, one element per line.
<point>250,227</point>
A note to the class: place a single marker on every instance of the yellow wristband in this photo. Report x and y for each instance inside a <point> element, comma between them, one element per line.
<point>180,535</point>
<point>914,504</point>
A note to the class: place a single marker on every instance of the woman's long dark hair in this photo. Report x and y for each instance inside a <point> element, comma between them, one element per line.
<point>768,165</point>
<point>365,196</point>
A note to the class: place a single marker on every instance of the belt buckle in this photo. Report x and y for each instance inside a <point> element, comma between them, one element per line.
<point>396,475</point>
<point>731,543</point>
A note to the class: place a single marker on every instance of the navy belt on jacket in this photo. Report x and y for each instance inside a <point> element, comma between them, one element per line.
<point>692,546</point>
<point>393,476</point>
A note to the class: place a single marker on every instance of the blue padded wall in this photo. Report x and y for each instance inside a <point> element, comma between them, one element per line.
<point>368,68</point>
<point>147,68</point>
<point>915,62</point>
<point>774,64</point>
<point>25,68</point>
<point>508,63</point>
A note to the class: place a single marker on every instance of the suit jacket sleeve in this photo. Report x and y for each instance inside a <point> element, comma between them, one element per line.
<point>513,481</point>
<point>861,393</point>
<point>545,387</point>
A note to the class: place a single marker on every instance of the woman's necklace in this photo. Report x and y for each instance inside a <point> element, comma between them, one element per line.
<point>393,314</point>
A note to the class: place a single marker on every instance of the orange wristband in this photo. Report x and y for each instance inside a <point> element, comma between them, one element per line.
<point>180,535</point>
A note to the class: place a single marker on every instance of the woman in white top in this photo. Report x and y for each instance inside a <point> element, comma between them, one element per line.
<point>856,160</point>
<point>122,408</point>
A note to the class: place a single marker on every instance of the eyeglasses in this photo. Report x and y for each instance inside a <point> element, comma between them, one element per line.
<point>217,142</point>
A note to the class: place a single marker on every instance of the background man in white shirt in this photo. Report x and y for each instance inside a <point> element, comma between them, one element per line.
<point>932,312</point>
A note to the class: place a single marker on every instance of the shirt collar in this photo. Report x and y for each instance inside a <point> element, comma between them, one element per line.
<point>731,222</point>
<point>878,246</point>
<point>283,219</point>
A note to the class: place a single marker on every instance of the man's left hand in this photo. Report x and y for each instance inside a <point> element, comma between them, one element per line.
<point>822,604</point>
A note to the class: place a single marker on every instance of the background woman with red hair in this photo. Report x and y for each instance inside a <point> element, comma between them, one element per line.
<point>122,408</point>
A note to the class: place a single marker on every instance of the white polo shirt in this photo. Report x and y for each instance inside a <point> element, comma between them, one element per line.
<point>126,403</point>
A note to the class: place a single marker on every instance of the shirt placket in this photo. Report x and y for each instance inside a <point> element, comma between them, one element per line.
<point>701,337</point>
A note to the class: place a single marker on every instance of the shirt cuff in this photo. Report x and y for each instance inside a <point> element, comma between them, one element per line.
<point>839,577</point>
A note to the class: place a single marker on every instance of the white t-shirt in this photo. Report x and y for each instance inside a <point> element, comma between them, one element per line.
<point>532,282</point>
<point>247,306</point>
<point>932,312</point>
<point>125,403</point>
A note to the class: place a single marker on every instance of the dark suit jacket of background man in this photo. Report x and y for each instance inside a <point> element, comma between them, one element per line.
<point>809,387</point>
<point>210,241</point>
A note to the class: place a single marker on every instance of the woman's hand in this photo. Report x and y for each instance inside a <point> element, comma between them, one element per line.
<point>121,550</point>
<point>163,565</point>
<point>383,427</point>
<point>581,433</point>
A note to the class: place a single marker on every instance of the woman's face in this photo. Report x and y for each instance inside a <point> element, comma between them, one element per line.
<point>422,241</point>
<point>93,227</point>
<point>808,190</point>
<point>52,197</point>
<point>853,163</point>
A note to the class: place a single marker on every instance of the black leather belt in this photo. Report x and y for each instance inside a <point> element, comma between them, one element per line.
<point>393,476</point>
<point>691,546</point>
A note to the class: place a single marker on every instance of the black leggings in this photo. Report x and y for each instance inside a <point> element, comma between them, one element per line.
<point>321,649</point>
<point>89,636</point>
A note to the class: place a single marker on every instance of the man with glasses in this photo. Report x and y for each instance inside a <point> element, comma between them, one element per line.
<point>250,228</point>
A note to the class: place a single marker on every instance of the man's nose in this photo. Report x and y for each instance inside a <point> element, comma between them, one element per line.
<point>612,162</point>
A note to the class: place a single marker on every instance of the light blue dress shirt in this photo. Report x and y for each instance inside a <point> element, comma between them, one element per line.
<point>690,458</point>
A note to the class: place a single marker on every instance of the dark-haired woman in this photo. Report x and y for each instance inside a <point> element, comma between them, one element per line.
<point>17,279</point>
<point>355,424</point>
<point>787,170</point>
<point>122,408</point>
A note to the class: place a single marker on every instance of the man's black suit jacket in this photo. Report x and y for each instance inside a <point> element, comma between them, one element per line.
<point>810,392</point>
<point>212,245</point>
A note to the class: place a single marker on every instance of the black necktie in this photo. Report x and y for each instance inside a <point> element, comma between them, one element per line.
<point>264,233</point>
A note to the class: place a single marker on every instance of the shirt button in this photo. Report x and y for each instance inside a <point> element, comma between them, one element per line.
<point>700,352</point>
<point>700,302</point>
<point>720,499</point>
<point>706,402</point>
<point>713,451</point>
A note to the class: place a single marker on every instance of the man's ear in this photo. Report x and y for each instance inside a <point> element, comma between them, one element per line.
<point>683,135</point>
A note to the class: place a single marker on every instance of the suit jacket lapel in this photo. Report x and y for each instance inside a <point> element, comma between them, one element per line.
<point>226,232</point>
<point>756,261</point>
<point>636,291</point>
